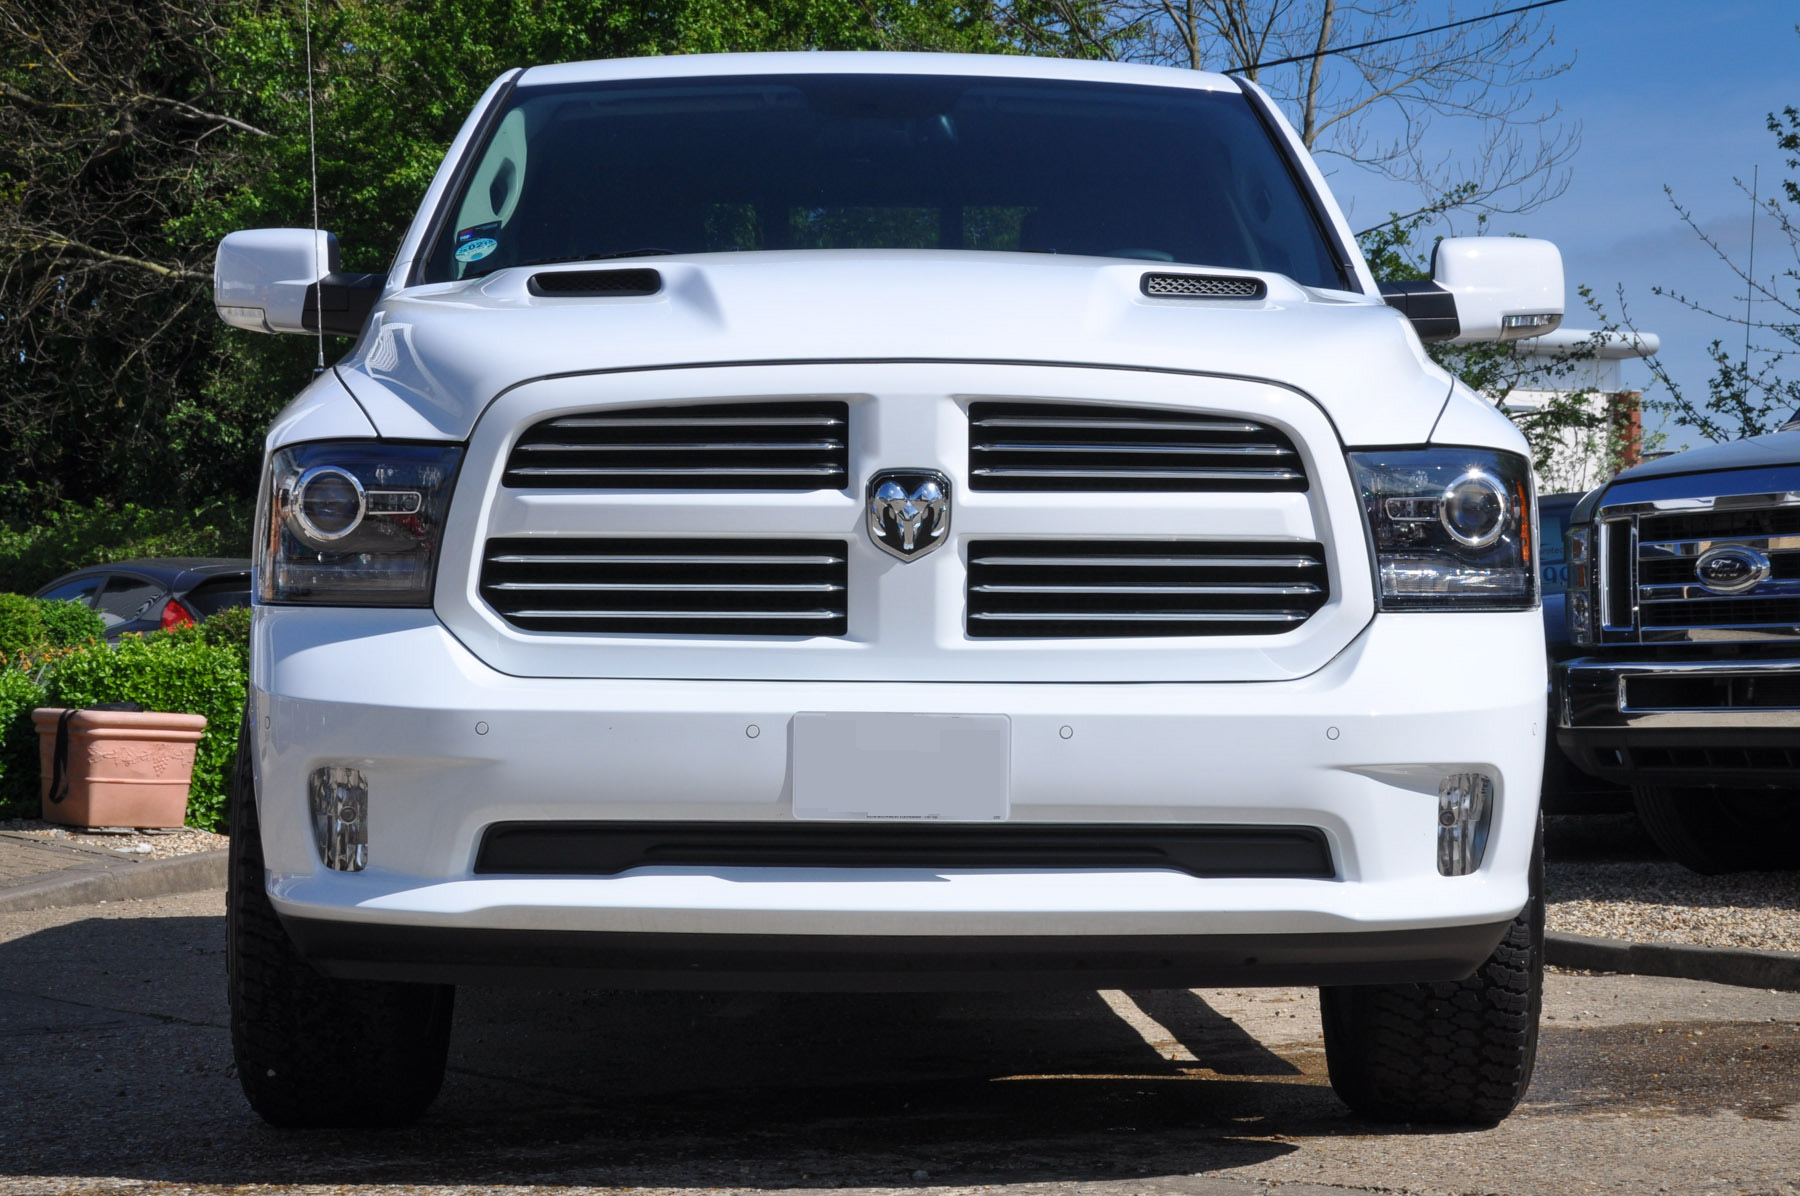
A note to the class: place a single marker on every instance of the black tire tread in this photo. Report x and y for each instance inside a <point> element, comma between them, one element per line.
<point>1455,1052</point>
<point>311,1050</point>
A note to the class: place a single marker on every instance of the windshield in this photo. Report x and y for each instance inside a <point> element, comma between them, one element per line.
<point>578,172</point>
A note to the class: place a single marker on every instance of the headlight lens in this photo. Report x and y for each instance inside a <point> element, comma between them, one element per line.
<point>1578,607</point>
<point>1452,528</point>
<point>353,522</point>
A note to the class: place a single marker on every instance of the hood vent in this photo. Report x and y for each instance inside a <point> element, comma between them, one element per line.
<point>1085,589</point>
<point>1080,446</point>
<point>594,284</point>
<point>668,586</point>
<point>1202,286</point>
<point>716,446</point>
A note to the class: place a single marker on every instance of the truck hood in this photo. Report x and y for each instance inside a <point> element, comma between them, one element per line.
<point>1754,452</point>
<point>433,357</point>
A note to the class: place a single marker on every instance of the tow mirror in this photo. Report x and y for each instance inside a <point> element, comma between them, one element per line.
<point>287,280</point>
<point>1483,290</point>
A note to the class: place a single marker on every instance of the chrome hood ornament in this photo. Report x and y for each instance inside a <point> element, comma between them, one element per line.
<point>909,511</point>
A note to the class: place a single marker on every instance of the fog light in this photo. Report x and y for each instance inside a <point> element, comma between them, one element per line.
<point>340,814</point>
<point>1465,801</point>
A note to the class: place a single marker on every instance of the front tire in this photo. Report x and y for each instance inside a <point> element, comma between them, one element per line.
<point>313,1051</point>
<point>1456,1052</point>
<point>1721,830</point>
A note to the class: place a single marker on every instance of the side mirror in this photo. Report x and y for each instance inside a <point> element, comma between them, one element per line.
<point>287,280</point>
<point>1483,290</point>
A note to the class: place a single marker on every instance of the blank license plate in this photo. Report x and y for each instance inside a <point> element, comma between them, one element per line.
<point>949,767</point>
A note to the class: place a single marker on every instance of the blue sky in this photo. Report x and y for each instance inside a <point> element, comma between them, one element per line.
<point>1666,94</point>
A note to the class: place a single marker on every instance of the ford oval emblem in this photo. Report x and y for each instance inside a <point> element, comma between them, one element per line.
<point>1731,569</point>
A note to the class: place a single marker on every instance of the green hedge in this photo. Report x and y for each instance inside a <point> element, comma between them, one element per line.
<point>22,626</point>
<point>20,694</point>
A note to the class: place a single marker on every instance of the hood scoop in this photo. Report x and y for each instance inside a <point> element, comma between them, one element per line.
<point>588,284</point>
<point>1202,286</point>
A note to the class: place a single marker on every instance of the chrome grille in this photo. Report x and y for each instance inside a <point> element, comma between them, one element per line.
<point>716,446</point>
<point>1651,592</point>
<point>1202,286</point>
<point>678,586</point>
<point>1078,446</point>
<point>1098,588</point>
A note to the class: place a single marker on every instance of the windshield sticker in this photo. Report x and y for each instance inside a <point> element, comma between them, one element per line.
<point>474,251</point>
<point>490,229</point>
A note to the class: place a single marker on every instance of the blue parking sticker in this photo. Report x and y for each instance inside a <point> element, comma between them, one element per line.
<point>477,249</point>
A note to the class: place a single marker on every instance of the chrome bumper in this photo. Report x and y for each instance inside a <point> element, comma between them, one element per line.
<point>1609,694</point>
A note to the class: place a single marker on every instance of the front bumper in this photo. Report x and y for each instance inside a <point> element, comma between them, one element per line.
<point>451,748</point>
<point>1691,723</point>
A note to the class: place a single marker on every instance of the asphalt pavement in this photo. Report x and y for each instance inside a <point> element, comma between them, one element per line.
<point>115,1076</point>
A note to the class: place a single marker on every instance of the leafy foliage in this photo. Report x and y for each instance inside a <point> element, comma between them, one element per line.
<point>230,628</point>
<point>74,535</point>
<point>136,133</point>
<point>178,672</point>
<point>20,694</point>
<point>21,625</point>
<point>70,624</point>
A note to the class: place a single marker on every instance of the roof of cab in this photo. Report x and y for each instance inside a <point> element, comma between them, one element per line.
<point>871,62</point>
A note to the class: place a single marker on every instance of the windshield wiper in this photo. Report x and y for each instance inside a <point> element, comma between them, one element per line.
<point>574,257</point>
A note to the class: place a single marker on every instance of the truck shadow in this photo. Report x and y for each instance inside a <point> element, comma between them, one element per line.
<point>115,1061</point>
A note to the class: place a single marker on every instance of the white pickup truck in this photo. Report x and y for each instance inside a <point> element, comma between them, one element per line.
<point>862,521</point>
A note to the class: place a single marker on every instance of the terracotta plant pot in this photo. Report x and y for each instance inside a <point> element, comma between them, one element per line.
<point>125,768</point>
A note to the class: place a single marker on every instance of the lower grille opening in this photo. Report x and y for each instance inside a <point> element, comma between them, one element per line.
<point>609,848</point>
<point>1713,693</point>
<point>1721,759</point>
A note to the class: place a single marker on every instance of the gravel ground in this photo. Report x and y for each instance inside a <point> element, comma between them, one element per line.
<point>152,845</point>
<point>1607,879</point>
<point>1654,901</point>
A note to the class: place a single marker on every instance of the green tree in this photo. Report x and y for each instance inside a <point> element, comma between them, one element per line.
<point>136,133</point>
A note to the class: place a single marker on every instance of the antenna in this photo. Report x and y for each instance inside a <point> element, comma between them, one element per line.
<point>312,161</point>
<point>1750,274</point>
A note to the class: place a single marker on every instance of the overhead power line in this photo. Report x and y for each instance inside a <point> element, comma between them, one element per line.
<point>1398,37</point>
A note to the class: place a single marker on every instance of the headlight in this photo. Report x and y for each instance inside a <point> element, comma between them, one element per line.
<point>1578,602</point>
<point>1452,528</point>
<point>353,522</point>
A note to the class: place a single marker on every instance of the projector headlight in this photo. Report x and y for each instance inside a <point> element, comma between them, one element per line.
<point>353,522</point>
<point>1451,528</point>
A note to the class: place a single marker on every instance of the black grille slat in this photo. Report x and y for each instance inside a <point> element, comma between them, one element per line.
<point>1095,447</point>
<point>674,586</point>
<point>781,445</point>
<point>1113,588</point>
<point>1722,524</point>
